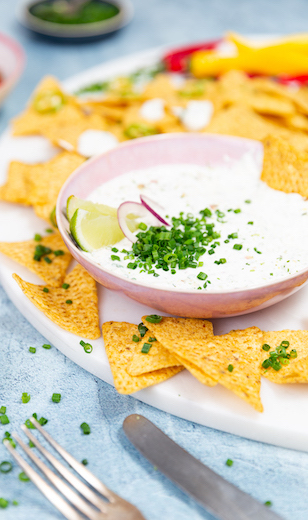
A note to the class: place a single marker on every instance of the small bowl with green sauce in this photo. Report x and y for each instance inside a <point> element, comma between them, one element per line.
<point>74,19</point>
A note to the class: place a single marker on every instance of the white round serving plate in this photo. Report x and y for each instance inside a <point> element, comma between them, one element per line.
<point>284,421</point>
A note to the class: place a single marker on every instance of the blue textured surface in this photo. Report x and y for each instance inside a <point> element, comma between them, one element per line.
<point>266,472</point>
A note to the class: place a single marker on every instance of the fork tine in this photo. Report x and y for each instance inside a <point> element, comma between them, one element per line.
<point>69,493</point>
<point>77,466</point>
<point>74,481</point>
<point>52,495</point>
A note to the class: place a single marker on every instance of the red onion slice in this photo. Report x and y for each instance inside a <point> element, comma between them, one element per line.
<point>135,208</point>
<point>153,207</point>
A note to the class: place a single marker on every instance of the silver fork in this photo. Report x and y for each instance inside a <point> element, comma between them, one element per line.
<point>111,507</point>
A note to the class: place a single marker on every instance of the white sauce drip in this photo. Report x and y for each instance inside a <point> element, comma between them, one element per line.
<point>279,230</point>
<point>153,109</point>
<point>94,142</point>
<point>197,115</point>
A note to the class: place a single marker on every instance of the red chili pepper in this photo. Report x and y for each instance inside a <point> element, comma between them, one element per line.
<point>176,61</point>
<point>301,80</point>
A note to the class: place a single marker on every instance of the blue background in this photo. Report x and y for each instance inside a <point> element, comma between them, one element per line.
<point>264,471</point>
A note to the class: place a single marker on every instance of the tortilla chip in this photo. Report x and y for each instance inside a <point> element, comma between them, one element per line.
<point>81,316</point>
<point>22,252</point>
<point>297,369</point>
<point>184,338</point>
<point>158,357</point>
<point>284,168</point>
<point>120,350</point>
<point>265,104</point>
<point>161,87</point>
<point>297,121</point>
<point>18,184</point>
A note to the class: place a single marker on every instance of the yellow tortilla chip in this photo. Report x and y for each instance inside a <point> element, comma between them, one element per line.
<point>23,252</point>
<point>74,309</point>
<point>158,357</point>
<point>18,184</point>
<point>120,349</point>
<point>284,168</point>
<point>265,104</point>
<point>184,338</point>
<point>297,369</point>
<point>297,121</point>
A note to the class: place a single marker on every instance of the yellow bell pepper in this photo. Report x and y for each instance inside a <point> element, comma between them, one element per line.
<point>294,43</point>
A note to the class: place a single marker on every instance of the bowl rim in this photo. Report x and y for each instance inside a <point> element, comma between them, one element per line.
<point>139,142</point>
<point>28,20</point>
<point>20,56</point>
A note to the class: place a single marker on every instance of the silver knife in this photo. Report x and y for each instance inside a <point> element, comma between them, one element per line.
<point>217,495</point>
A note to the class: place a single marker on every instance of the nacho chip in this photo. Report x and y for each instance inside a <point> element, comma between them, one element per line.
<point>52,273</point>
<point>284,168</point>
<point>184,338</point>
<point>120,350</point>
<point>297,369</point>
<point>74,309</point>
<point>266,104</point>
<point>297,121</point>
<point>18,184</point>
<point>158,357</point>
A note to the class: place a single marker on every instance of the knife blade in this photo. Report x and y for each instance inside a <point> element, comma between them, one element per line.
<point>217,495</point>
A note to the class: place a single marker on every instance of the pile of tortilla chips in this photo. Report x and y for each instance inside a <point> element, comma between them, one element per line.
<point>233,360</point>
<point>256,108</point>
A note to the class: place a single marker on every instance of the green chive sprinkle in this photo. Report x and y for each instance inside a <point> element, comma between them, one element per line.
<point>84,462</point>
<point>135,338</point>
<point>266,347</point>
<point>37,237</point>
<point>114,250</point>
<point>32,350</point>
<point>230,368</point>
<point>85,428</point>
<point>268,503</point>
<point>248,201</point>
<point>15,503</point>
<point>31,444</point>
<point>202,276</point>
<point>23,477</point>
<point>59,252</point>
<point>46,346</point>
<point>48,261</point>
<point>146,348</point>
<point>229,462</point>
<point>45,289</point>
<point>237,246</point>
<point>237,210</point>
<point>115,257</point>
<point>233,235</point>
<point>285,343</point>
<point>3,503</point>
<point>49,230</point>
<point>3,409</point>
<point>31,426</point>
<point>69,302</point>
<point>87,347</point>
<point>293,354</point>
<point>154,318</point>
<point>142,226</point>
<point>257,251</point>
<point>56,398</point>
<point>25,398</point>
<point>142,329</point>
<point>250,223</point>
<point>151,340</point>
<point>6,466</point>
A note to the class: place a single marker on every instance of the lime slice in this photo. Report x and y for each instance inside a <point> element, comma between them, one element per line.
<point>92,230</point>
<point>74,203</point>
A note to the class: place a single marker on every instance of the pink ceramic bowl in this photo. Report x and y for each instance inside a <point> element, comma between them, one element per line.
<point>12,61</point>
<point>196,149</point>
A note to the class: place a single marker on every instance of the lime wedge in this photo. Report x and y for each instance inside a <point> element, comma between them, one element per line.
<point>74,203</point>
<point>92,230</point>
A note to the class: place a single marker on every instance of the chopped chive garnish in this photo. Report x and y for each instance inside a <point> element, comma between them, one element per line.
<point>238,210</point>
<point>31,444</point>
<point>266,347</point>
<point>229,462</point>
<point>56,398</point>
<point>3,503</point>
<point>151,340</point>
<point>3,409</point>
<point>202,276</point>
<point>59,252</point>
<point>45,289</point>
<point>154,318</point>
<point>87,347</point>
<point>142,329</point>
<point>46,346</point>
<point>65,286</point>
<point>142,226</point>
<point>268,503</point>
<point>250,223</point>
<point>23,477</point>
<point>49,230</point>
<point>248,201</point>
<point>69,302</point>
<point>40,252</point>
<point>6,466</point>
<point>15,503</point>
<point>237,246</point>
<point>135,338</point>
<point>146,348</point>
<point>233,235</point>
<point>285,343</point>
<point>84,462</point>
<point>115,257</point>
<point>230,368</point>
<point>131,265</point>
<point>293,353</point>
<point>257,251</point>
<point>85,428</point>
<point>114,250</point>
<point>37,237</point>
<point>31,426</point>
<point>25,397</point>
<point>48,261</point>
<point>32,350</point>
